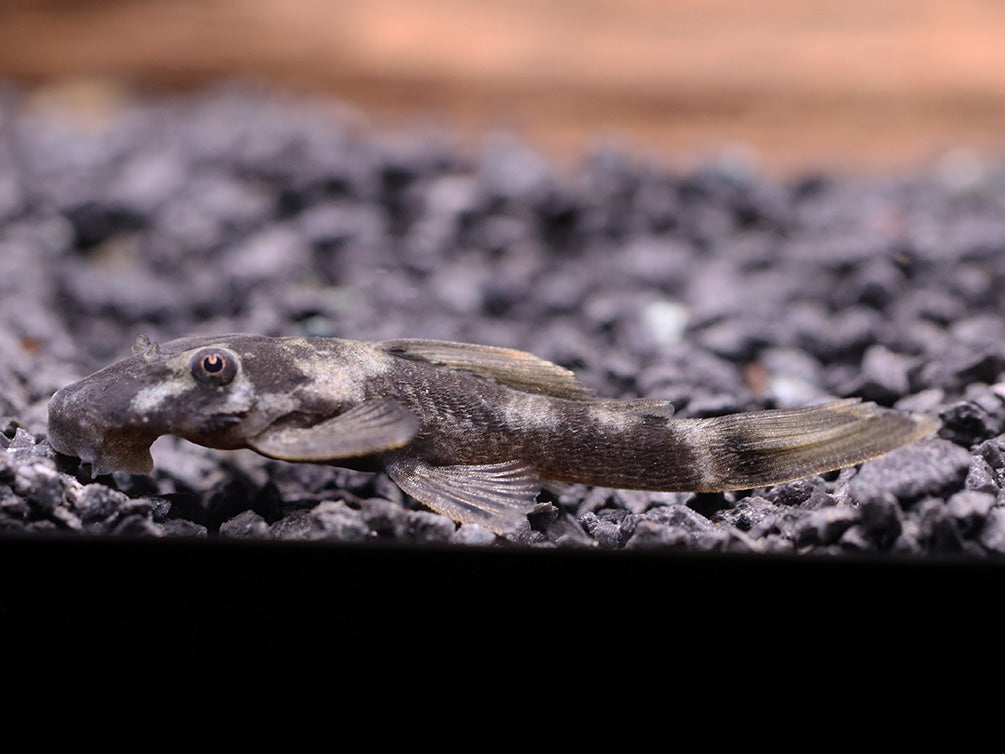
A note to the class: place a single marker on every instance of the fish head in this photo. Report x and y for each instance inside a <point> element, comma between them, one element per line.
<point>214,391</point>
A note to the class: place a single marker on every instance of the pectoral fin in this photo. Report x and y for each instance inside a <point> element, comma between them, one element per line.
<point>517,369</point>
<point>498,496</point>
<point>372,427</point>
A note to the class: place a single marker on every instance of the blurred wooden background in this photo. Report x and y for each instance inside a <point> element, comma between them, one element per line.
<point>844,85</point>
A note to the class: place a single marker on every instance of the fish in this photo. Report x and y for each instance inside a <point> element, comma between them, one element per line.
<point>470,431</point>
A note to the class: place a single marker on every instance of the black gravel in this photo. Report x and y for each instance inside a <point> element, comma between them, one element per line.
<point>717,288</point>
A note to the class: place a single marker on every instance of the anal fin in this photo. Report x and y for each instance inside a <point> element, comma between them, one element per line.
<point>497,496</point>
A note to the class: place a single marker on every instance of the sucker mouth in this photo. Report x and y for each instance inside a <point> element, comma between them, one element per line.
<point>105,451</point>
<point>122,455</point>
<point>76,429</point>
<point>113,454</point>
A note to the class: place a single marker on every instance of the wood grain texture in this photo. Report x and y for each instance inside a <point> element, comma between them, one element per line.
<point>860,84</point>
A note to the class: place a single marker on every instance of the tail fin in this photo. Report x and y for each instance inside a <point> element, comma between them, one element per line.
<point>762,448</point>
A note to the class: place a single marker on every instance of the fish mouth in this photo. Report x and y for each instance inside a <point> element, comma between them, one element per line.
<point>112,452</point>
<point>89,439</point>
<point>120,455</point>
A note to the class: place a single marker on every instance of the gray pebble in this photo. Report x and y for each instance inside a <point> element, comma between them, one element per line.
<point>39,483</point>
<point>297,525</point>
<point>607,534</point>
<point>824,526</point>
<point>429,528</point>
<point>748,513</point>
<point>881,519</point>
<point>970,508</point>
<point>96,502</point>
<point>931,467</point>
<point>715,288</point>
<point>180,527</point>
<point>992,536</point>
<point>472,535</point>
<point>883,376</point>
<point>338,521</point>
<point>136,525</point>
<point>967,423</point>
<point>676,526</point>
<point>981,477</point>
<point>245,525</point>
<point>385,518</point>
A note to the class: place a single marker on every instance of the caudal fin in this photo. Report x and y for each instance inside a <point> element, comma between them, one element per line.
<point>762,448</point>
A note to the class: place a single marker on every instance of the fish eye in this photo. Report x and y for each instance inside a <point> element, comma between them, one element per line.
<point>214,366</point>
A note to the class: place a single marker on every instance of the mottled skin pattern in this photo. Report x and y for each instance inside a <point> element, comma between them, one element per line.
<point>565,438</point>
<point>471,431</point>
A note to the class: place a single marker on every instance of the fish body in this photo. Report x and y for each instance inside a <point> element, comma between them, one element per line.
<point>470,431</point>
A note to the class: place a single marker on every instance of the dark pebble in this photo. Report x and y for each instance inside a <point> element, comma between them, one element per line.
<point>245,525</point>
<point>180,527</point>
<point>716,288</point>
<point>386,519</point>
<point>883,377</point>
<point>930,468</point>
<point>824,526</point>
<point>473,535</point>
<point>942,532</point>
<point>96,502</point>
<point>992,536</point>
<point>297,526</point>
<point>967,423</point>
<point>748,513</point>
<point>881,520</point>
<point>676,526</point>
<point>970,508</point>
<point>425,527</point>
<point>981,477</point>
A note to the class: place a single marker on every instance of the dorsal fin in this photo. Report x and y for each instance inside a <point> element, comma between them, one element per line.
<point>146,347</point>
<point>517,369</point>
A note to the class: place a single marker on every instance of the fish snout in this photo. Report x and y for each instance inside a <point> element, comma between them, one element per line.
<point>65,428</point>
<point>75,430</point>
